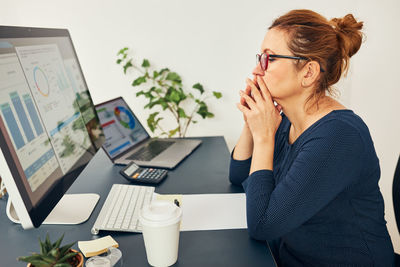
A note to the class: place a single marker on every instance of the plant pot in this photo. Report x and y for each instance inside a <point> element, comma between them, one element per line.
<point>79,257</point>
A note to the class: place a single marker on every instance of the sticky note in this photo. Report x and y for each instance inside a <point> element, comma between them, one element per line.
<point>96,246</point>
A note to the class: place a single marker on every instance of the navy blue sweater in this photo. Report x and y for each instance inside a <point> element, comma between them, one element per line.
<point>322,201</point>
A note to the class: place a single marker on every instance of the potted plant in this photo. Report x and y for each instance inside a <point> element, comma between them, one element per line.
<point>166,93</point>
<point>52,255</point>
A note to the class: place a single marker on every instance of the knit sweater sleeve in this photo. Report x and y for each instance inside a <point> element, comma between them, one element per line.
<point>238,170</point>
<point>328,161</point>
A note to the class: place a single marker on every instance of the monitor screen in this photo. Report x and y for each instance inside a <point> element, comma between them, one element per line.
<point>49,129</point>
<point>121,128</point>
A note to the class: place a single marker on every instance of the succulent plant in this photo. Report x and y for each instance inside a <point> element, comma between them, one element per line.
<point>52,255</point>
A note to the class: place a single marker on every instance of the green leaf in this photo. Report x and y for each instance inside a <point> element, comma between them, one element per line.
<point>153,115</point>
<point>175,96</point>
<point>203,110</point>
<point>151,104</point>
<point>218,95</point>
<point>47,242</point>
<point>145,63</point>
<point>151,122</point>
<point>210,115</point>
<point>122,51</point>
<point>66,248</point>
<point>156,122</point>
<point>128,65</point>
<point>173,132</point>
<point>138,81</point>
<point>49,259</point>
<point>164,105</point>
<point>173,76</point>
<point>58,242</point>
<point>163,70</point>
<point>199,87</point>
<point>55,252</point>
<point>33,257</point>
<point>43,248</point>
<point>119,61</point>
<point>151,126</point>
<point>181,113</point>
<point>182,94</point>
<point>147,94</point>
<point>155,74</point>
<point>140,93</point>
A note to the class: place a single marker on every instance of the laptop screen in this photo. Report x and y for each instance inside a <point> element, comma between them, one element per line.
<point>121,127</point>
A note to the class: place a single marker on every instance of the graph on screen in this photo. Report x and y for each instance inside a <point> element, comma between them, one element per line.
<point>23,123</point>
<point>44,69</point>
<point>41,81</point>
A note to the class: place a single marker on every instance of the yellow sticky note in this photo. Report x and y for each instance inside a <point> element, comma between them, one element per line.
<point>96,246</point>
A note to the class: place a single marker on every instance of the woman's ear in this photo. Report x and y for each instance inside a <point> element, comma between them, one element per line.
<point>310,73</point>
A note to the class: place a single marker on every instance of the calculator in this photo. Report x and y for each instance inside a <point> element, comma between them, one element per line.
<point>134,173</point>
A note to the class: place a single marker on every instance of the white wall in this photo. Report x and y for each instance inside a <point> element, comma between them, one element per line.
<point>215,42</point>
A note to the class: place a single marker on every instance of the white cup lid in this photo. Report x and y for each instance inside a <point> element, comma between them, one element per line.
<point>160,213</point>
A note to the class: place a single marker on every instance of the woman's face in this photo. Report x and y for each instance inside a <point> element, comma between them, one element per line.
<point>281,77</point>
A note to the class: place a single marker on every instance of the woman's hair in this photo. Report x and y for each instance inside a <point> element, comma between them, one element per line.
<point>330,43</point>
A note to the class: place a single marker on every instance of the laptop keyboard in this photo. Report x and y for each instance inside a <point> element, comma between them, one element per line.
<point>120,211</point>
<point>151,150</point>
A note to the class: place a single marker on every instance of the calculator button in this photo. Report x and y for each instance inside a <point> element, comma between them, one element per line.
<point>135,175</point>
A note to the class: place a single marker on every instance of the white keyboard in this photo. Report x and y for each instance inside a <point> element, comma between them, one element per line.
<point>120,211</point>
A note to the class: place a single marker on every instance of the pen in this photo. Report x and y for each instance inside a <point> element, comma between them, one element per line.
<point>176,202</point>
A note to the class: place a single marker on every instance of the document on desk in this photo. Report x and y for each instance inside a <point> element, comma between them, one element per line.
<point>211,211</point>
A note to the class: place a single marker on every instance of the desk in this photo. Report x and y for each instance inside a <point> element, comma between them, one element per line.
<point>204,171</point>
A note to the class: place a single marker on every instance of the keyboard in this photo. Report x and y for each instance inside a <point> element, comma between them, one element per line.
<point>120,211</point>
<point>151,150</point>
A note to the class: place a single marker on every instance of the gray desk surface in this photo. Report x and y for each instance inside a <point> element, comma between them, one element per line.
<point>204,171</point>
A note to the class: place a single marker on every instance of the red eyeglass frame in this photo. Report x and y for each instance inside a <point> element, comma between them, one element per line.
<point>264,60</point>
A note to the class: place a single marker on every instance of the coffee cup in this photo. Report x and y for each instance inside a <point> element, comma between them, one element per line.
<point>160,222</point>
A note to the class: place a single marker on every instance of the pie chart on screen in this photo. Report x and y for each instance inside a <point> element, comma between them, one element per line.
<point>41,81</point>
<point>124,117</point>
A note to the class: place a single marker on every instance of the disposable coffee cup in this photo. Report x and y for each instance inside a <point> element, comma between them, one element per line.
<point>160,227</point>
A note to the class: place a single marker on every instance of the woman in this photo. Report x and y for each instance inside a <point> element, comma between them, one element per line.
<point>308,164</point>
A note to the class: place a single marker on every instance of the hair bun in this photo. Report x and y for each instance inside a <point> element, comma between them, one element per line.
<point>349,33</point>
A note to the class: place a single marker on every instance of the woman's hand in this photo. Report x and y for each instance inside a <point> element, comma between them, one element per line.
<point>247,91</point>
<point>259,111</point>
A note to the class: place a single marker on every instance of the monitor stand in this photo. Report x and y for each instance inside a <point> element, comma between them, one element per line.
<point>71,209</point>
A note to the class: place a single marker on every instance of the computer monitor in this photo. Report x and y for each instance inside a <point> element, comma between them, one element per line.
<point>49,129</point>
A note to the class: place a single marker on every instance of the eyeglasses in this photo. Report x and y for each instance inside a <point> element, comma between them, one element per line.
<point>265,58</point>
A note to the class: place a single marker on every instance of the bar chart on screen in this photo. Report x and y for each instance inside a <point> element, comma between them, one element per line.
<point>56,100</point>
<point>24,126</point>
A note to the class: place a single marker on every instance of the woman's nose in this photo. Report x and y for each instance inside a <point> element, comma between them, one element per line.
<point>258,70</point>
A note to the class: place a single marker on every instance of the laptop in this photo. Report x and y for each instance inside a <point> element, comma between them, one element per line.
<point>127,140</point>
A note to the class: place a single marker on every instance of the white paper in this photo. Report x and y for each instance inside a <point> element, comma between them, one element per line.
<point>213,212</point>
